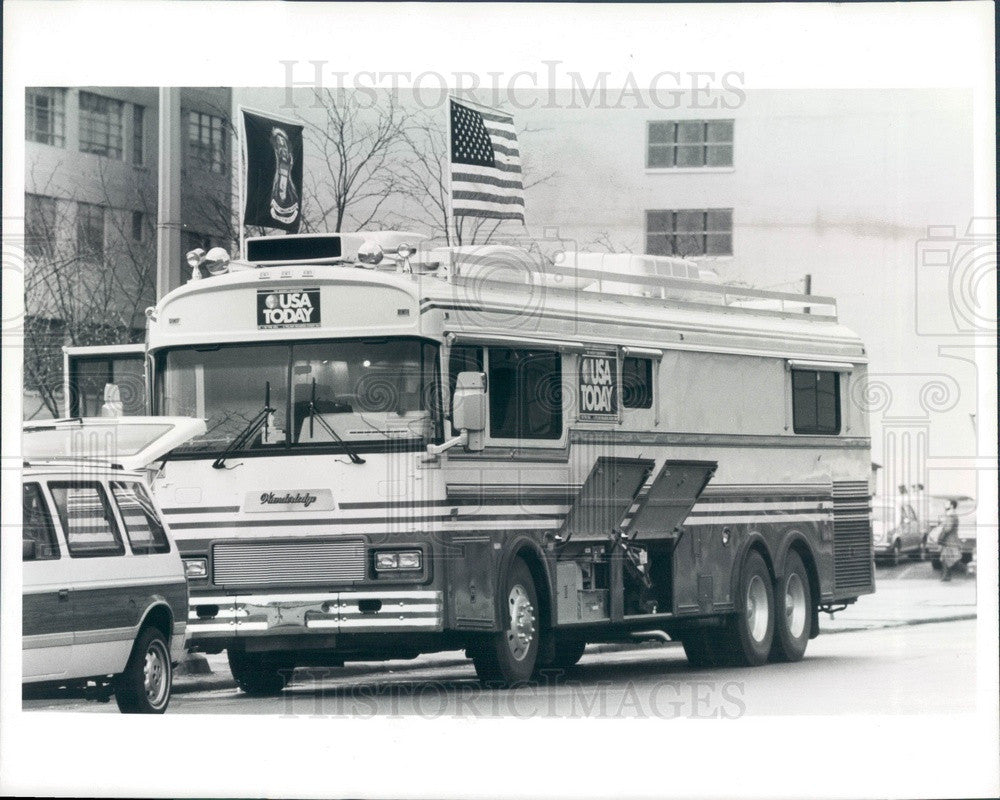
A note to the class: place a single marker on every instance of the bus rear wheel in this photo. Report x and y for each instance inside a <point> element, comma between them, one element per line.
<point>748,636</point>
<point>793,612</point>
<point>260,674</point>
<point>508,656</point>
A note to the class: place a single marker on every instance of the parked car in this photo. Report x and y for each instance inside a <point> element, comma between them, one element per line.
<point>105,597</point>
<point>896,530</point>
<point>966,511</point>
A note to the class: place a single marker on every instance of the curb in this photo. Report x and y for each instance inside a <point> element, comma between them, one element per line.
<point>215,681</point>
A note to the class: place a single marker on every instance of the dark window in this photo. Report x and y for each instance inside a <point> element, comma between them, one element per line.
<point>45,116</point>
<point>100,125</point>
<point>815,401</point>
<point>142,525</point>
<point>138,143</point>
<point>525,388</point>
<point>690,143</point>
<point>39,225</point>
<point>207,141</point>
<point>90,229</point>
<point>138,225</point>
<point>37,523</point>
<point>690,232</point>
<point>87,519</point>
<point>637,383</point>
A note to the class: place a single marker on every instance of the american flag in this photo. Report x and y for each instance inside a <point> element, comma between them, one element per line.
<point>485,165</point>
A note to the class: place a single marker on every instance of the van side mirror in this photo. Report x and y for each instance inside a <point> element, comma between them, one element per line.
<point>468,407</point>
<point>29,550</point>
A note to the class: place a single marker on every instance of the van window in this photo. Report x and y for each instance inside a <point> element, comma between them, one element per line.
<point>815,401</point>
<point>142,525</point>
<point>525,389</point>
<point>87,519</point>
<point>37,523</point>
<point>637,383</point>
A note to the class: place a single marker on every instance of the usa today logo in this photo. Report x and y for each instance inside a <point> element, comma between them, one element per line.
<point>299,308</point>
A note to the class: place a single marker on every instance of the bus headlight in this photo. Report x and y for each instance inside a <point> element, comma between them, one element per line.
<point>390,560</point>
<point>195,568</point>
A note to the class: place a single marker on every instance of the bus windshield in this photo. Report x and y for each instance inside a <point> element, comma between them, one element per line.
<point>371,393</point>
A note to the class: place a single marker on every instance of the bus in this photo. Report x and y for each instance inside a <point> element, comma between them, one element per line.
<point>412,448</point>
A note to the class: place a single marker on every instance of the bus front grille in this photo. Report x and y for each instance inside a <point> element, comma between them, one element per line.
<point>292,562</point>
<point>852,537</point>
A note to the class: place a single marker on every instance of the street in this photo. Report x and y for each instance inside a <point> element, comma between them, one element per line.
<point>887,654</point>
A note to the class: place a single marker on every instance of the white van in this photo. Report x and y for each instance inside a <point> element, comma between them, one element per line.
<point>105,597</point>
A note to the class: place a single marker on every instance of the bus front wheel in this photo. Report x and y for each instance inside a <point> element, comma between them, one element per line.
<point>260,674</point>
<point>508,656</point>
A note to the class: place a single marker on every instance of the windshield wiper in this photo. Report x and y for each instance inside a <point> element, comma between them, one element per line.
<point>351,452</point>
<point>245,436</point>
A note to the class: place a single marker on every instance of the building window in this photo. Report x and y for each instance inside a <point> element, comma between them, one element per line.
<point>690,232</point>
<point>138,144</point>
<point>206,137</point>
<point>637,383</point>
<point>90,229</point>
<point>100,125</point>
<point>45,116</point>
<point>39,225</point>
<point>690,143</point>
<point>138,226</point>
<point>525,388</point>
<point>815,401</point>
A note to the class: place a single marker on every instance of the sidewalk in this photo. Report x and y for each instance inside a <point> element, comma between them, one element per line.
<point>894,604</point>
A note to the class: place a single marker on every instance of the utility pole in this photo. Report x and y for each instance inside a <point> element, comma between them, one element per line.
<point>168,206</point>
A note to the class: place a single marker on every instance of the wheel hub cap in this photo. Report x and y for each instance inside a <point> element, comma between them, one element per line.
<point>521,632</point>
<point>757,609</point>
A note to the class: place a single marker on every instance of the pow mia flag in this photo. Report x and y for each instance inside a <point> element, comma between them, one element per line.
<point>273,172</point>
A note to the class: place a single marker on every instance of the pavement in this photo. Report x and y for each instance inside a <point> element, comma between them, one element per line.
<point>910,594</point>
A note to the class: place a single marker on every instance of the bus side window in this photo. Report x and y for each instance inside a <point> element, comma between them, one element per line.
<point>637,383</point>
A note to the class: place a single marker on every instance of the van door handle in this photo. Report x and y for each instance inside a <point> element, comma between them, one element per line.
<point>63,595</point>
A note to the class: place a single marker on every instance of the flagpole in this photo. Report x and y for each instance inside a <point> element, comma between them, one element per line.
<point>241,136</point>
<point>448,218</point>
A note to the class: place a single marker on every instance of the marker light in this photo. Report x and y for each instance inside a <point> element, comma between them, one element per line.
<point>406,251</point>
<point>216,261</point>
<point>370,253</point>
<point>193,259</point>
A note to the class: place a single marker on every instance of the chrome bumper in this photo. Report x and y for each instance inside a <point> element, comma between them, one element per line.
<point>327,612</point>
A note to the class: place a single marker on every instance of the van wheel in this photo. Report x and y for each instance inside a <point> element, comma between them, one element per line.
<point>793,612</point>
<point>508,656</point>
<point>144,686</point>
<point>747,638</point>
<point>260,674</point>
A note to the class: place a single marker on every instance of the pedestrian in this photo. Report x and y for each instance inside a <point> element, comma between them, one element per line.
<point>951,553</point>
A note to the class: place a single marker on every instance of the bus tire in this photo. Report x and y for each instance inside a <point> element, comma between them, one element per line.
<point>703,651</point>
<point>750,633</point>
<point>259,674</point>
<point>567,654</point>
<point>792,612</point>
<point>509,656</point>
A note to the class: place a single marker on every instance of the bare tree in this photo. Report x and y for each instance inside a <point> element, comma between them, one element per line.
<point>87,279</point>
<point>358,152</point>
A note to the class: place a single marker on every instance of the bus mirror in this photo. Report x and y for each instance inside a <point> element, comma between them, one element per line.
<point>469,407</point>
